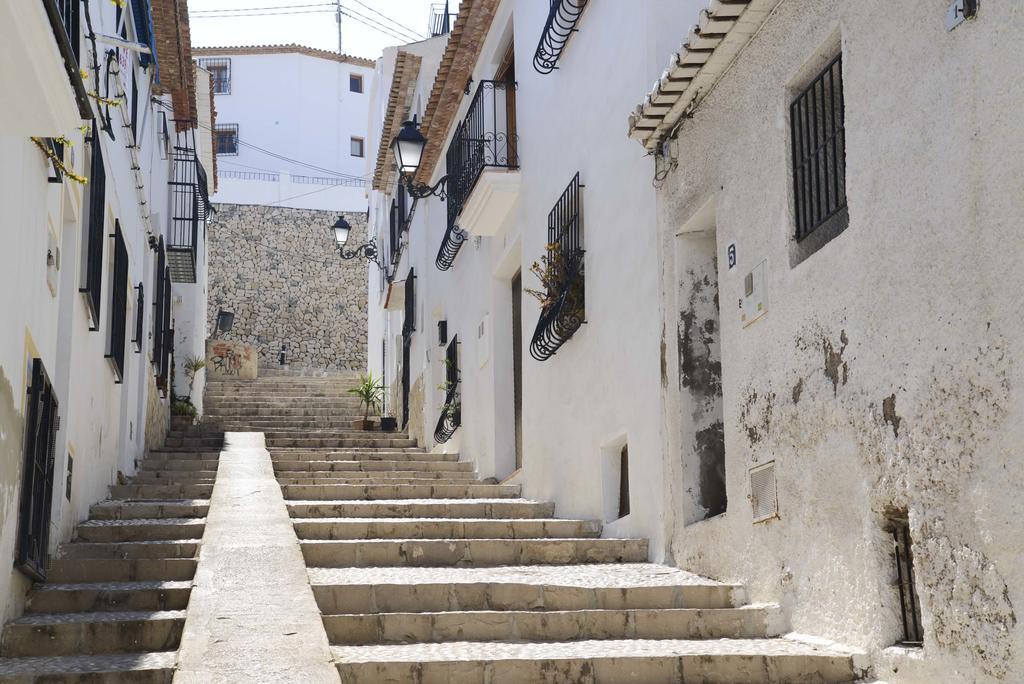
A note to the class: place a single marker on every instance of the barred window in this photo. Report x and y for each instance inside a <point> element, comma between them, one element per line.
<point>226,138</point>
<point>93,244</point>
<point>119,304</point>
<point>819,150</point>
<point>41,427</point>
<point>220,70</point>
<point>140,308</point>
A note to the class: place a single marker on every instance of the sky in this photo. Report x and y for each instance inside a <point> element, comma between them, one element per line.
<point>367,26</point>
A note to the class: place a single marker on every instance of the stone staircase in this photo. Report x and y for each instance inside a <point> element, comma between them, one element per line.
<point>113,605</point>
<point>425,573</point>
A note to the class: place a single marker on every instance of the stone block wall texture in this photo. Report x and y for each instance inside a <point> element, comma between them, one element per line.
<point>278,270</point>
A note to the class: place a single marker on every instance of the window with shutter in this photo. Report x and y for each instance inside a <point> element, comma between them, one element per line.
<point>37,475</point>
<point>95,237</point>
<point>119,304</point>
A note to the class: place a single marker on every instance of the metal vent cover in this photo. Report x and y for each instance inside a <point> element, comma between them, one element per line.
<point>763,495</point>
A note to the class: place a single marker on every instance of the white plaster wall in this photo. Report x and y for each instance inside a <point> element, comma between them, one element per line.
<point>300,107</point>
<point>916,302</point>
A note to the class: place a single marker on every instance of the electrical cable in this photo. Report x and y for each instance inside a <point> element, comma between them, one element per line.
<point>403,26</point>
<point>253,9</point>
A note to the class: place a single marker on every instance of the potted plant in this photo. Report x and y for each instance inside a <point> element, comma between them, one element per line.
<point>370,392</point>
<point>183,414</point>
<point>193,365</point>
<point>388,423</point>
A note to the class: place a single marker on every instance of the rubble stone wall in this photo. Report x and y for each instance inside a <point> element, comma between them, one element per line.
<point>278,271</point>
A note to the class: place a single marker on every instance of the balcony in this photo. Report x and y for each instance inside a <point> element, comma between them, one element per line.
<point>561,272</point>
<point>441,19</point>
<point>190,205</point>
<point>482,163</point>
<point>561,24</point>
<point>451,413</point>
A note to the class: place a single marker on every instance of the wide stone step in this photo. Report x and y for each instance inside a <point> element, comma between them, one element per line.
<point>736,661</point>
<point>181,548</point>
<point>78,570</point>
<point>571,625</point>
<point>376,442</point>
<point>421,508</point>
<point>230,411</point>
<point>133,510</point>
<point>292,467</point>
<point>175,477</point>
<point>183,465</point>
<point>619,586</point>
<point>121,668</point>
<point>442,528</point>
<point>360,455</point>
<point>194,442</point>
<point>295,425</point>
<point>372,492</point>
<point>177,454</point>
<point>396,478</point>
<point>161,492</point>
<point>108,596</point>
<point>141,529</point>
<point>63,634</point>
<point>471,552</point>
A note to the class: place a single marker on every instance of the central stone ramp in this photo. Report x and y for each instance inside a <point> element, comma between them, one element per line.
<point>252,617</point>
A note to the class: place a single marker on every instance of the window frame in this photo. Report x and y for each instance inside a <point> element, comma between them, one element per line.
<point>118,324</point>
<point>221,86</point>
<point>218,133</point>
<point>354,77</point>
<point>362,146</point>
<point>93,246</point>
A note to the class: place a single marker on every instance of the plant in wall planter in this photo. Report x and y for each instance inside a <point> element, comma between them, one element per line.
<point>370,392</point>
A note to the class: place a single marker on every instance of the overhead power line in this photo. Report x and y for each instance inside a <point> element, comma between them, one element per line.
<point>259,9</point>
<point>398,31</point>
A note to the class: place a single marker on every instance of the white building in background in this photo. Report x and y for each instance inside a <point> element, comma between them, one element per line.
<point>101,260</point>
<point>803,383</point>
<point>291,125</point>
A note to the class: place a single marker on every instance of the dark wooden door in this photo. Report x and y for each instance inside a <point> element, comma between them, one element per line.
<point>517,362</point>
<point>37,476</point>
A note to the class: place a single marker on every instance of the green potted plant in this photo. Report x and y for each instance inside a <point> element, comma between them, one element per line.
<point>370,392</point>
<point>183,414</point>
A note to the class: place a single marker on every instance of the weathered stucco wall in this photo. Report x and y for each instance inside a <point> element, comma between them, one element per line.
<point>885,373</point>
<point>278,270</point>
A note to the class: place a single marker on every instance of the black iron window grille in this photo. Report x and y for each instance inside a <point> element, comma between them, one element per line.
<point>408,328</point>
<point>409,319</point>
<point>190,205</point>
<point>910,605</point>
<point>399,223</point>
<point>158,302</point>
<point>57,149</point>
<point>95,236</point>
<point>220,70</point>
<point>226,139</point>
<point>562,310</point>
<point>164,135</point>
<point>451,413</point>
<point>65,18</point>
<point>135,111</point>
<point>485,138</point>
<point>140,304</point>
<point>441,19</point>
<point>119,304</point>
<point>41,428</point>
<point>560,26</point>
<point>819,150</point>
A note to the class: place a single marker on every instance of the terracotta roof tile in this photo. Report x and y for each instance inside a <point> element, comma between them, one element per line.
<point>282,49</point>
<point>403,85</point>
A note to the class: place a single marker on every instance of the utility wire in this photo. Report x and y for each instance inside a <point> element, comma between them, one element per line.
<point>348,12</point>
<point>403,26</point>
<point>258,9</point>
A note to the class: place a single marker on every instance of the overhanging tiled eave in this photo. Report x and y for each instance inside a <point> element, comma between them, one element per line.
<point>723,29</point>
<point>403,87</point>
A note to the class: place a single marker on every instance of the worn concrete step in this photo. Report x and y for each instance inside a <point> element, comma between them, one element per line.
<point>161,492</point>
<point>294,425</point>
<point>179,548</point>
<point>178,454</point>
<point>290,467</point>
<point>618,586</point>
<point>78,570</point>
<point>421,508</point>
<point>230,411</point>
<point>425,491</point>
<point>443,528</point>
<point>736,661</point>
<point>132,510</point>
<point>122,668</point>
<point>193,442</point>
<point>370,440</point>
<point>141,529</point>
<point>471,552</point>
<point>378,479</point>
<point>64,634</point>
<point>360,455</point>
<point>750,622</point>
<point>174,477</point>
<point>184,465</point>
<point>109,596</point>
<point>337,404</point>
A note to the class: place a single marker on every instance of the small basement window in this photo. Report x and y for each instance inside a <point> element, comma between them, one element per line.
<point>355,83</point>
<point>898,526</point>
<point>357,147</point>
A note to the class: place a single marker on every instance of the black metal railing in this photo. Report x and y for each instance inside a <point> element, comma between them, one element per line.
<point>93,279</point>
<point>220,71</point>
<point>451,413</point>
<point>56,148</point>
<point>119,304</point>
<point>819,150</point>
<point>563,311</point>
<point>910,605</point>
<point>190,206</point>
<point>158,301</point>
<point>441,19</point>
<point>399,223</point>
<point>408,327</point>
<point>140,309</point>
<point>32,553</point>
<point>560,26</point>
<point>65,20</point>
<point>486,138</point>
<point>166,333</point>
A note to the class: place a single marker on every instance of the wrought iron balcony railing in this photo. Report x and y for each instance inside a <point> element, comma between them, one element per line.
<point>563,311</point>
<point>441,19</point>
<point>65,21</point>
<point>190,205</point>
<point>451,413</point>
<point>559,28</point>
<point>486,138</point>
